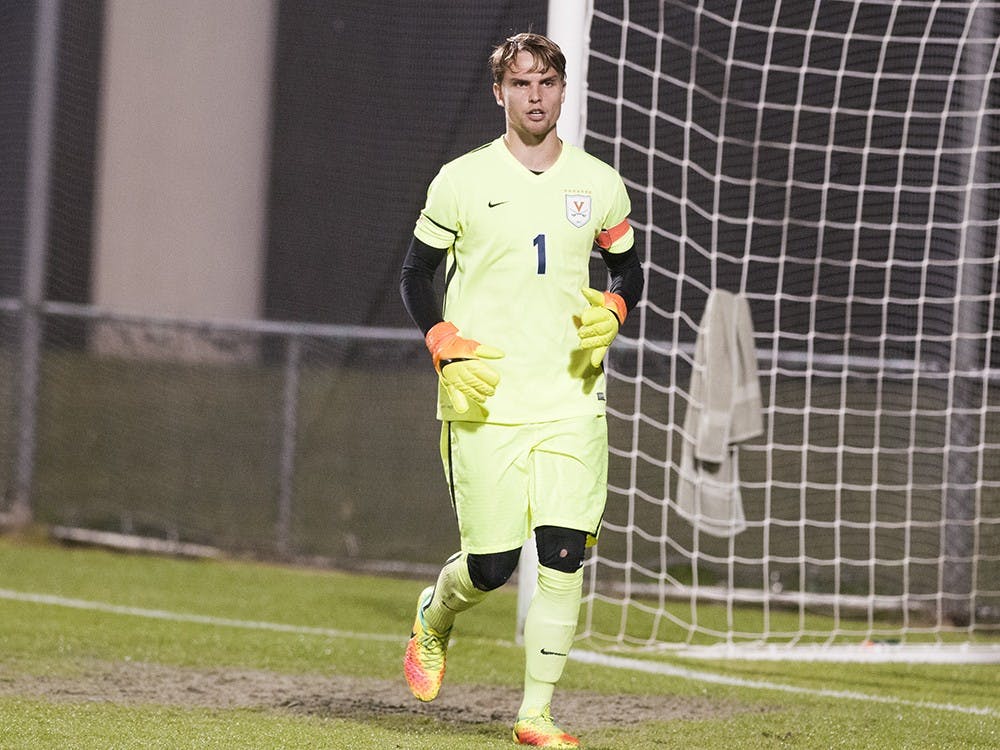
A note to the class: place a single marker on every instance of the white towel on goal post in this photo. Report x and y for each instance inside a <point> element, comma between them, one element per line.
<point>724,409</point>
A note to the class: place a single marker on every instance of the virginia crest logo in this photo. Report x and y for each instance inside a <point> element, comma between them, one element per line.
<point>577,209</point>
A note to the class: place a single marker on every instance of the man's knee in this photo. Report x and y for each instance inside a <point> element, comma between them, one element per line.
<point>560,549</point>
<point>491,571</point>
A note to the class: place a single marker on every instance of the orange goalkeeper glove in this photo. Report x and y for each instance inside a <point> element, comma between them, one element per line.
<point>459,364</point>
<point>599,322</point>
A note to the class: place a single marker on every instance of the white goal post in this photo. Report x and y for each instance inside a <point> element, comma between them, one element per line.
<point>837,165</point>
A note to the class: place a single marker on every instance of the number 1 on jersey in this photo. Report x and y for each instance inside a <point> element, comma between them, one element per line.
<point>539,243</point>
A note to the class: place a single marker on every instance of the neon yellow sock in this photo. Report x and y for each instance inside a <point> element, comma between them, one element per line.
<point>548,634</point>
<point>453,593</point>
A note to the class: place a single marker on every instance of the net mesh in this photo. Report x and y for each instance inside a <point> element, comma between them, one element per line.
<point>837,164</point>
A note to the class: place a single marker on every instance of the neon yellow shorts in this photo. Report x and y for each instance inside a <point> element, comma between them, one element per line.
<point>507,479</point>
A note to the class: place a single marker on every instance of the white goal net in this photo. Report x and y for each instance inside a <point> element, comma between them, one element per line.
<point>837,165</point>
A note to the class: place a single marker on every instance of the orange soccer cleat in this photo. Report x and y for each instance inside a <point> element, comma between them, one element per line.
<point>538,729</point>
<point>424,662</point>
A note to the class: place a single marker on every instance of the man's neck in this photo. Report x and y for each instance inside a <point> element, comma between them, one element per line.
<point>536,156</point>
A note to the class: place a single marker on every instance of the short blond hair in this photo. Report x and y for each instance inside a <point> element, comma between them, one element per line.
<point>545,54</point>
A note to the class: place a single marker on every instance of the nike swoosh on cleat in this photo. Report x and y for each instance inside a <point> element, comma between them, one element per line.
<point>491,204</point>
<point>553,653</point>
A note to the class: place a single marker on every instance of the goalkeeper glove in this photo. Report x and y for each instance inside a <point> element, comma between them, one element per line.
<point>459,364</point>
<point>599,322</point>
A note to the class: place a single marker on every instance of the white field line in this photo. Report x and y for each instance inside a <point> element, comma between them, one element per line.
<point>619,662</point>
<point>586,657</point>
<point>162,614</point>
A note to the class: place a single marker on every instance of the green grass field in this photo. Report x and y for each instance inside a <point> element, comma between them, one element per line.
<point>106,650</point>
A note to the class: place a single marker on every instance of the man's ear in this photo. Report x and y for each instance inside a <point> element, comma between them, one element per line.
<point>498,94</point>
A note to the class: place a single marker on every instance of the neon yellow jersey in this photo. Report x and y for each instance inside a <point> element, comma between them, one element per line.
<point>519,247</point>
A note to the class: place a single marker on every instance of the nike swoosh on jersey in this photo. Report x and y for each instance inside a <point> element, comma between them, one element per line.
<point>546,652</point>
<point>491,204</point>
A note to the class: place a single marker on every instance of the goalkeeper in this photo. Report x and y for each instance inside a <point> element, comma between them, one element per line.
<point>518,344</point>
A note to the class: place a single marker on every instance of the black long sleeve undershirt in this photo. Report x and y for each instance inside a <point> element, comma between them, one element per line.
<point>416,284</point>
<point>627,278</point>
<point>416,281</point>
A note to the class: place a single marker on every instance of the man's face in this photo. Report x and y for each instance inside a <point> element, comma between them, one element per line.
<point>532,100</point>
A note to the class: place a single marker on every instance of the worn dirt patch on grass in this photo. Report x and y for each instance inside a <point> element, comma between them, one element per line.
<point>136,683</point>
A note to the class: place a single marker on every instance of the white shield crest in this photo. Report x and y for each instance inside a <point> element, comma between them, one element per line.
<point>577,209</point>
